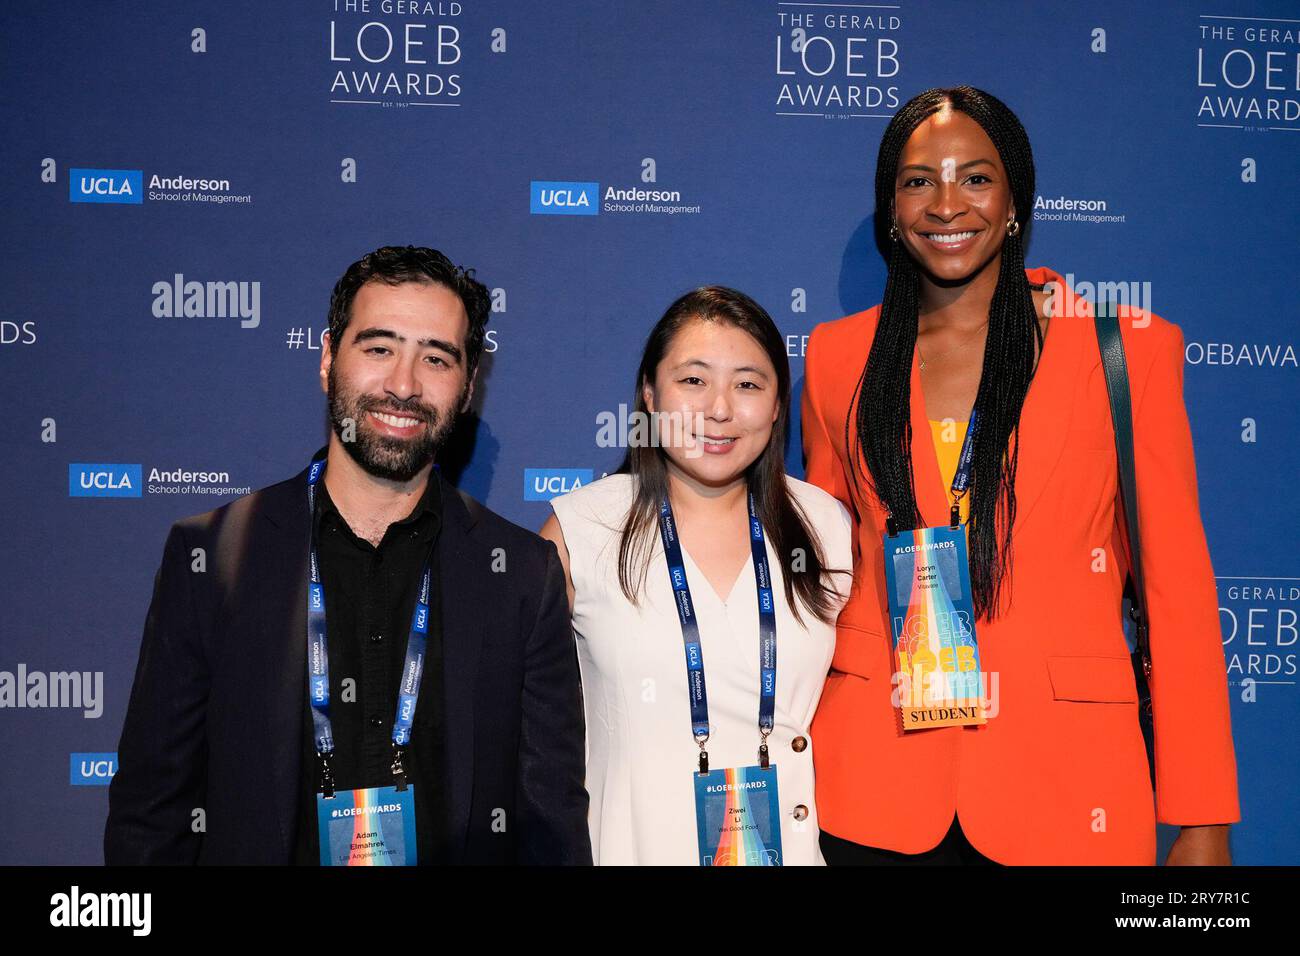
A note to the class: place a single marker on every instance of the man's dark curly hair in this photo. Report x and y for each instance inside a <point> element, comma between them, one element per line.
<point>396,265</point>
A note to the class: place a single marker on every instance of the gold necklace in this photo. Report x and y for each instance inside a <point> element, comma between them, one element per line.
<point>968,341</point>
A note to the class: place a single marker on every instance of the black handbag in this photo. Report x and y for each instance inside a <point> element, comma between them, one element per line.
<point>1121,414</point>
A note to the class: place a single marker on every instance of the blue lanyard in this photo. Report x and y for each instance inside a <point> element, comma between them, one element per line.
<point>961,477</point>
<point>318,660</point>
<point>695,684</point>
<point>960,480</point>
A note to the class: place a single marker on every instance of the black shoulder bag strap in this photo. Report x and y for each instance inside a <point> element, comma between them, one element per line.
<point>1121,414</point>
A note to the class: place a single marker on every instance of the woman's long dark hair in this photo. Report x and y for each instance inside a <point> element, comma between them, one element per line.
<point>783,520</point>
<point>884,416</point>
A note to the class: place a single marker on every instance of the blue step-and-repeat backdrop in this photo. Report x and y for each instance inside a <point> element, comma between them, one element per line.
<point>258,148</point>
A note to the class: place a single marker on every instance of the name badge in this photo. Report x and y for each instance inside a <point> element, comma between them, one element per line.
<point>737,817</point>
<point>372,827</point>
<point>937,660</point>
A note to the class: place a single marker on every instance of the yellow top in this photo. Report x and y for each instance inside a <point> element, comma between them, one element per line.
<point>948,438</point>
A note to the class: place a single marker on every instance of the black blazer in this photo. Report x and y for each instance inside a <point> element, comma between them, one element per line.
<point>215,717</point>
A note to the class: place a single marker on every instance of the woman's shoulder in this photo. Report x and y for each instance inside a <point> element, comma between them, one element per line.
<point>1145,335</point>
<point>834,356</point>
<point>810,495</point>
<point>822,508</point>
<point>857,328</point>
<point>832,528</point>
<point>604,500</point>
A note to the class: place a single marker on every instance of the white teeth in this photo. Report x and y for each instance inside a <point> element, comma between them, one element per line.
<point>950,239</point>
<point>395,421</point>
<point>716,441</point>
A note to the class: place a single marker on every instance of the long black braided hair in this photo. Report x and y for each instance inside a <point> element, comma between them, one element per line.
<point>883,416</point>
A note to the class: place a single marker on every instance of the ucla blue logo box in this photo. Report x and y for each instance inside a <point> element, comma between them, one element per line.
<point>564,199</point>
<point>92,770</point>
<point>543,484</point>
<point>104,481</point>
<point>106,185</point>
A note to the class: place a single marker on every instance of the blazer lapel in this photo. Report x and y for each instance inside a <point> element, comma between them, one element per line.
<point>1049,406</point>
<point>459,565</point>
<point>932,499</point>
<point>1044,417</point>
<point>280,657</point>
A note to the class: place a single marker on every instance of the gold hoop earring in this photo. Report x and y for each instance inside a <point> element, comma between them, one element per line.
<point>1013,227</point>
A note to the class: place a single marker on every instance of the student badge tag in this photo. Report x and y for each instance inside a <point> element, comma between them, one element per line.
<point>933,628</point>
<point>371,827</point>
<point>737,817</point>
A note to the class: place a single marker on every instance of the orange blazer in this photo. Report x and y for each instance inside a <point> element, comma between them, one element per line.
<point>1059,775</point>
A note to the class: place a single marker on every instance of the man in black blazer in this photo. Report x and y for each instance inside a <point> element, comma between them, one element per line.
<point>219,760</point>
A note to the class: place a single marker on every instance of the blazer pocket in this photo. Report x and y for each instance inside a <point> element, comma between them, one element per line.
<point>1107,680</point>
<point>860,614</point>
<point>860,649</point>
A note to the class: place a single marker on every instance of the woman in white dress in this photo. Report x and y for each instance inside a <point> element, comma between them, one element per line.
<point>696,754</point>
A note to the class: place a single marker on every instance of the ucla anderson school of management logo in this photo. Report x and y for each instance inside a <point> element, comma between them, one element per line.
<point>562,198</point>
<point>128,186</point>
<point>116,480</point>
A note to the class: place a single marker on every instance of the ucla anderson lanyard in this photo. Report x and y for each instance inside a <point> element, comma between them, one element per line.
<point>960,479</point>
<point>691,632</point>
<point>318,662</point>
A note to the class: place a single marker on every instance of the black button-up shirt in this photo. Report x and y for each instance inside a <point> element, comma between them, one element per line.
<point>370,595</point>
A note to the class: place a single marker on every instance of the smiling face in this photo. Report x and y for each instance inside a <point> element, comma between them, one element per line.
<point>399,375</point>
<point>719,374</point>
<point>952,197</point>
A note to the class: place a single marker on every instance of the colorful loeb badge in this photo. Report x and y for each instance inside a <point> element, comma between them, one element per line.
<point>373,827</point>
<point>737,809</point>
<point>737,817</point>
<point>931,618</point>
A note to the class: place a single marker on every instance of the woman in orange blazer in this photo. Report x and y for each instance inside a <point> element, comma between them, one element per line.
<point>1058,774</point>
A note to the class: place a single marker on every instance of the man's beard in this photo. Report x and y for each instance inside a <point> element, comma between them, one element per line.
<point>393,459</point>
